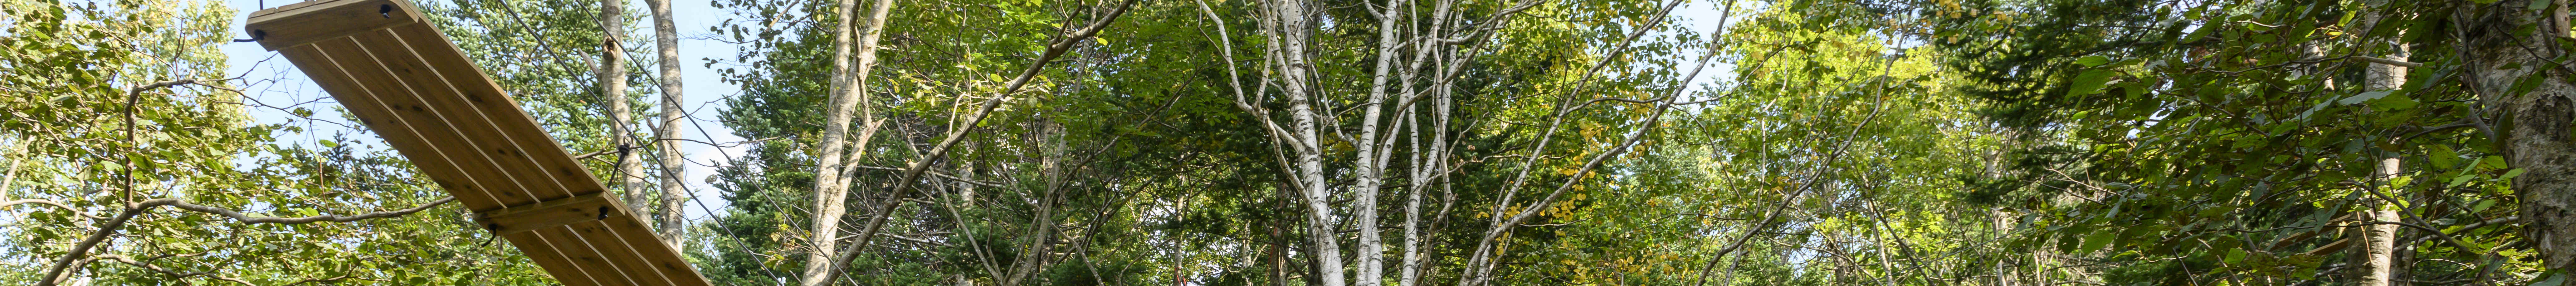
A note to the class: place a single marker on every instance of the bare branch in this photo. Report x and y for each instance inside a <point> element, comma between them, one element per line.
<point>181,204</point>
<point>2392,62</point>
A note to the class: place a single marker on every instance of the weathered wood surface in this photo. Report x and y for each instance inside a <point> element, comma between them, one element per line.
<point>398,75</point>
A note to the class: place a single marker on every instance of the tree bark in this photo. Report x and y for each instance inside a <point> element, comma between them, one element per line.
<point>1430,155</point>
<point>2538,140</point>
<point>1371,166</point>
<point>621,113</point>
<point>666,40</point>
<point>1042,221</point>
<point>1288,31</point>
<point>2373,262</point>
<point>848,93</point>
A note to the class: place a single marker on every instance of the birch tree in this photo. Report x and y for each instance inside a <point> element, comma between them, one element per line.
<point>621,113</point>
<point>666,41</point>
<point>849,94</point>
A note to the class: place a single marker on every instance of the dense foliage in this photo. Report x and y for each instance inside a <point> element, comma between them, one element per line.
<point>1371,142</point>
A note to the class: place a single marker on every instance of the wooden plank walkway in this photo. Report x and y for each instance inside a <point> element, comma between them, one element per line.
<point>398,75</point>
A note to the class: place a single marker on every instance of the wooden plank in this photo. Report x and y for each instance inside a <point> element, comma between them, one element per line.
<point>665,261</point>
<point>479,135</point>
<point>329,76</point>
<point>404,101</point>
<point>577,209</point>
<point>482,95</point>
<point>361,102</point>
<point>314,21</point>
<point>591,204</point>
<point>326,72</point>
<point>660,255</point>
<point>592,257</point>
<point>394,97</point>
<point>402,77</point>
<point>553,261</point>
<point>437,132</point>
<point>608,241</point>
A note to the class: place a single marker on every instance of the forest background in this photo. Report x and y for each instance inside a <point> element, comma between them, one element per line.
<point>1348,142</point>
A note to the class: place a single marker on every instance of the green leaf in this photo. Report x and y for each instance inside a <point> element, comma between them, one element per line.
<point>2100,238</point>
<point>2365,96</point>
<point>2443,157</point>
<point>2093,61</point>
<point>2394,102</point>
<point>2090,82</point>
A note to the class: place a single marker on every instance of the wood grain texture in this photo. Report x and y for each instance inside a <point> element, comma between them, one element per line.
<point>554,213</point>
<point>402,78</point>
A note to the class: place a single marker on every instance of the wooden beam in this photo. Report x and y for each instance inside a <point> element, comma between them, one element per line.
<point>554,213</point>
<point>402,78</point>
<point>311,21</point>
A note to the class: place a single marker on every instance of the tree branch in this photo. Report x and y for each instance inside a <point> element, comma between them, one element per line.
<point>69,208</point>
<point>841,260</point>
<point>181,204</point>
<point>54,274</point>
<point>2386,61</point>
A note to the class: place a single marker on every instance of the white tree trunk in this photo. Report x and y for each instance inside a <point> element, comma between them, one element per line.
<point>666,40</point>
<point>849,92</point>
<point>1289,32</point>
<point>612,85</point>
<point>2374,263</point>
<point>1371,163</point>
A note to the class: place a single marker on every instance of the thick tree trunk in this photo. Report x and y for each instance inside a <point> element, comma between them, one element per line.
<point>621,113</point>
<point>2509,44</point>
<point>828,194</point>
<point>848,94</point>
<point>666,40</point>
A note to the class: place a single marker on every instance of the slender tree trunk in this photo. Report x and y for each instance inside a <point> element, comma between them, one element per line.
<point>621,113</point>
<point>847,95</point>
<point>1431,155</point>
<point>2372,259</point>
<point>666,40</point>
<point>1371,166</point>
<point>2509,44</point>
<point>1042,221</point>
<point>1289,32</point>
<point>2374,263</point>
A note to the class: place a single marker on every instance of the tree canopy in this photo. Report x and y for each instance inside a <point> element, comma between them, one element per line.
<point>1349,142</point>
